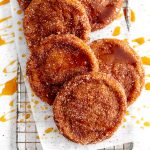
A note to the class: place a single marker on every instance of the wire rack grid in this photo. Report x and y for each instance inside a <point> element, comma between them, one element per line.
<point>26,133</point>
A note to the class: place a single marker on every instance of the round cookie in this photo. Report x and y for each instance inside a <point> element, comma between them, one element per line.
<point>59,58</point>
<point>89,108</point>
<point>43,18</point>
<point>117,58</point>
<point>101,12</point>
<point>24,3</point>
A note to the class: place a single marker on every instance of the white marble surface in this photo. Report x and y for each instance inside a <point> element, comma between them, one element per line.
<point>8,66</point>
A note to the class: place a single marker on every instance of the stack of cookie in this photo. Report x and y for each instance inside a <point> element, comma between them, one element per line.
<point>89,85</point>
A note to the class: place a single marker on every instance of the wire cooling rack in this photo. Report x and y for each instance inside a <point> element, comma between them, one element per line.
<point>26,133</point>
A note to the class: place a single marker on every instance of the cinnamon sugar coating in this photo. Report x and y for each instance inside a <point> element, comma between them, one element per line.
<point>89,108</point>
<point>24,3</point>
<point>117,58</point>
<point>58,59</point>
<point>101,12</point>
<point>43,18</point>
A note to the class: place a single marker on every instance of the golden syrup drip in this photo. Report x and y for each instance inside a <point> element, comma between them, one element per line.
<point>13,110</point>
<point>147,124</point>
<point>42,107</point>
<point>5,70</point>
<point>11,63</point>
<point>133,18</point>
<point>46,108</point>
<point>127,113</point>
<point>20,38</point>
<point>20,29</point>
<point>139,40</point>
<point>148,75</point>
<point>55,130</point>
<point>19,12</point>
<point>2,42</point>
<point>10,87</point>
<point>3,2</point>
<point>125,40</point>
<point>36,102</point>
<point>3,117</point>
<point>29,106</point>
<point>23,55</point>
<point>11,103</point>
<point>18,22</point>
<point>21,120</point>
<point>10,42</point>
<point>13,34</point>
<point>147,86</point>
<point>4,19</point>
<point>119,15</point>
<point>7,27</point>
<point>133,117</point>
<point>116,31</point>
<point>145,60</point>
<point>137,122</point>
<point>27,116</point>
<point>7,34</point>
<point>48,130</point>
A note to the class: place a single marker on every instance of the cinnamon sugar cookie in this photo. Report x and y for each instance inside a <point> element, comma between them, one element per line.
<point>24,3</point>
<point>101,12</point>
<point>43,18</point>
<point>59,58</point>
<point>118,59</point>
<point>89,108</point>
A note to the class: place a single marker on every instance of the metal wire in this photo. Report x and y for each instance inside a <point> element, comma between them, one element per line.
<point>26,136</point>
<point>26,139</point>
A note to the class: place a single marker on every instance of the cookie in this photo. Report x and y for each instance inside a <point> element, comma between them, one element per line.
<point>24,3</point>
<point>43,18</point>
<point>59,58</point>
<point>89,108</point>
<point>117,58</point>
<point>101,12</point>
